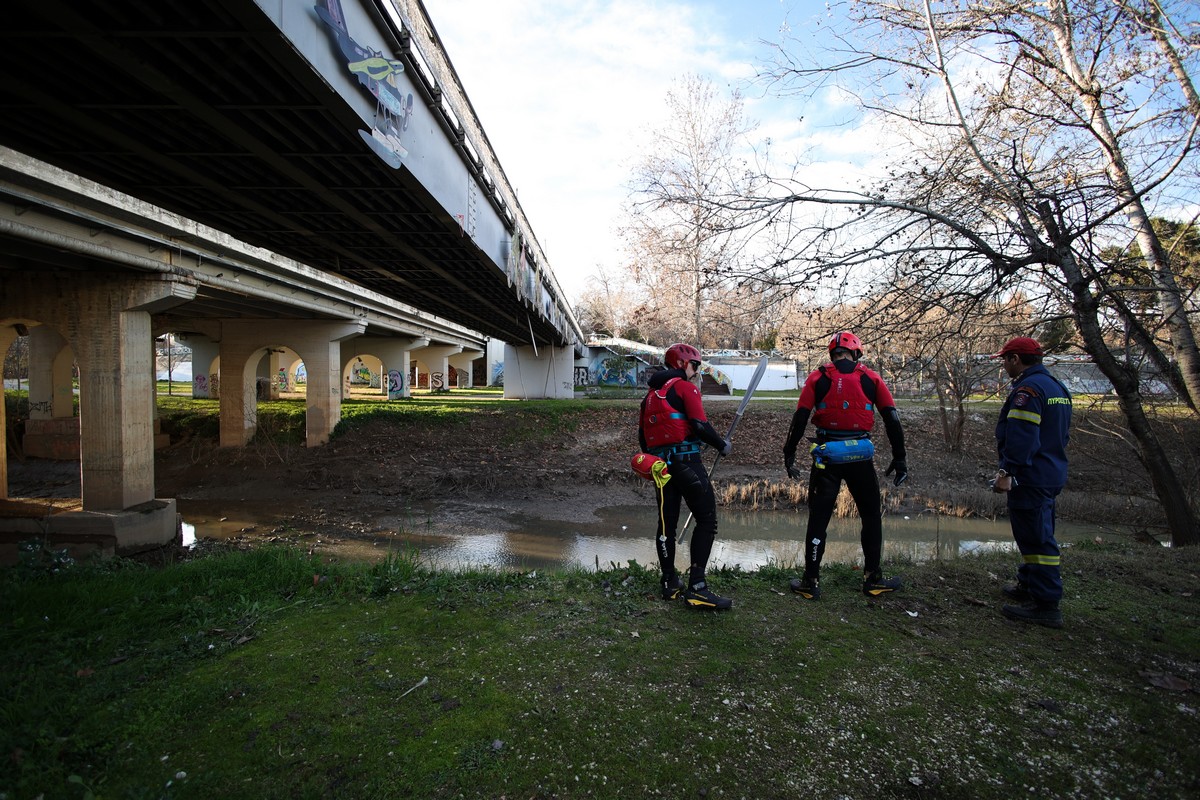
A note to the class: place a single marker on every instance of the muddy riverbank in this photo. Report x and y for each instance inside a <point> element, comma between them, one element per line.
<point>515,459</point>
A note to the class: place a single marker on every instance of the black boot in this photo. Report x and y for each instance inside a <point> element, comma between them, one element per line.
<point>1046,614</point>
<point>874,584</point>
<point>699,595</point>
<point>1018,592</point>
<point>806,587</point>
<point>672,587</point>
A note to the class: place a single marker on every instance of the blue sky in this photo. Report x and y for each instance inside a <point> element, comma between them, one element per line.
<point>568,93</point>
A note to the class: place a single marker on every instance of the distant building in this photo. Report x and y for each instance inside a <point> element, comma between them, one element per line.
<point>612,361</point>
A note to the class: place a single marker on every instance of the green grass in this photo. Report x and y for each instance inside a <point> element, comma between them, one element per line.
<point>283,421</point>
<point>269,673</point>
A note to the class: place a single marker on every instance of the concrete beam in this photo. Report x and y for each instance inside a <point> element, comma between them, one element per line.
<point>545,373</point>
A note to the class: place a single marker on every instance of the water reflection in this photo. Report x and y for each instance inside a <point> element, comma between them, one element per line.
<point>618,534</point>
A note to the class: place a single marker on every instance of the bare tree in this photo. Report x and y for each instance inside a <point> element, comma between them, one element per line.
<point>944,352</point>
<point>608,305</point>
<point>1033,134</point>
<point>683,249</point>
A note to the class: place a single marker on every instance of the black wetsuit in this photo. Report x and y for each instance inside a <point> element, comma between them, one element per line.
<point>845,396</point>
<point>689,481</point>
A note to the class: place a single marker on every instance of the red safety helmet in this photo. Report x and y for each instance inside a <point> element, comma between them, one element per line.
<point>678,355</point>
<point>847,340</point>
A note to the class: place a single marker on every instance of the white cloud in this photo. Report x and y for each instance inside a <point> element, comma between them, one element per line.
<point>568,93</point>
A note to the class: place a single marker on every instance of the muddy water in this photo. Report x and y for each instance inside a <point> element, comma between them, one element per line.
<point>482,536</point>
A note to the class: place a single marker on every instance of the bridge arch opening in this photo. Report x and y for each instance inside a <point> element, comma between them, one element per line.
<point>43,422</point>
<point>364,375</point>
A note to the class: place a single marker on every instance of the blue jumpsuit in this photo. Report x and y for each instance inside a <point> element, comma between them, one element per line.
<point>1031,438</point>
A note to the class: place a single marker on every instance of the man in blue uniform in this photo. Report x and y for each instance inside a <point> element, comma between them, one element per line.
<point>1031,438</point>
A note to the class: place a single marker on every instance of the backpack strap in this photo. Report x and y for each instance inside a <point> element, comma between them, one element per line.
<point>662,395</point>
<point>824,384</point>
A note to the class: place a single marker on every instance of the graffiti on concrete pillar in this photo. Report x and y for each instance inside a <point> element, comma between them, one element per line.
<point>200,386</point>
<point>583,376</point>
<point>282,380</point>
<point>395,384</point>
<point>214,385</point>
<point>437,381</point>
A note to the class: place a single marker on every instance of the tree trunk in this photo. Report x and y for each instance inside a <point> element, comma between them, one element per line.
<point>1181,518</point>
<point>960,422</point>
<point>1174,312</point>
<point>939,383</point>
<point>1150,18</point>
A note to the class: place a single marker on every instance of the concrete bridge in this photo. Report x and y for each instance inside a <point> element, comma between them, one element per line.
<point>258,177</point>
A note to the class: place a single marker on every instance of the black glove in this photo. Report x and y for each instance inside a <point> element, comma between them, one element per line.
<point>728,448</point>
<point>789,464</point>
<point>900,467</point>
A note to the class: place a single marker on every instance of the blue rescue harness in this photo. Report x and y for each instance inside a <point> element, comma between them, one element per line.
<point>670,452</point>
<point>841,451</point>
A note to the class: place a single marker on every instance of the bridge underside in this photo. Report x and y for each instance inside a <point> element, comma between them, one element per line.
<point>209,111</point>
<point>205,109</point>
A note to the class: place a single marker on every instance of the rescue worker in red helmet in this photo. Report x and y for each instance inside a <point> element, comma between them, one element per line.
<point>842,397</point>
<point>672,425</point>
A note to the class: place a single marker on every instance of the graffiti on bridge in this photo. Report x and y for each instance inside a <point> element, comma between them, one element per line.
<point>395,385</point>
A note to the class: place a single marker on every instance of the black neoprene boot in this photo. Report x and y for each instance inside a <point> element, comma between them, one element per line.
<point>1017,592</point>
<point>806,587</point>
<point>1046,614</point>
<point>698,595</point>
<point>875,584</point>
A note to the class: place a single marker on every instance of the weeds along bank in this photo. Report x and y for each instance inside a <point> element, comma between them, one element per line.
<point>270,674</point>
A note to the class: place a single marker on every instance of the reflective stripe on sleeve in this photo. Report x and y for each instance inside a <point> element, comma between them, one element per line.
<point>1028,416</point>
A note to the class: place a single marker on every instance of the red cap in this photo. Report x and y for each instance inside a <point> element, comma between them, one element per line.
<point>1022,345</point>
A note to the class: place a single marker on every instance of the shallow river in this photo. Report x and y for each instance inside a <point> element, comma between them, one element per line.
<point>618,534</point>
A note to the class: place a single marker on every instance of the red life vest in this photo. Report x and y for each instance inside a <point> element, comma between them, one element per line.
<point>662,423</point>
<point>849,403</point>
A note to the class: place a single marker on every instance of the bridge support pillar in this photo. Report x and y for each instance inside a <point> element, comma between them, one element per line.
<point>112,340</point>
<point>318,343</point>
<point>462,362</point>
<point>105,319</point>
<point>204,353</point>
<point>395,355</point>
<point>8,335</point>
<point>437,361</point>
<point>52,430</point>
<point>547,373</point>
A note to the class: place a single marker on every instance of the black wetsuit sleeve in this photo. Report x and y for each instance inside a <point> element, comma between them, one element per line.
<point>641,432</point>
<point>895,433</point>
<point>708,434</point>
<point>799,422</point>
